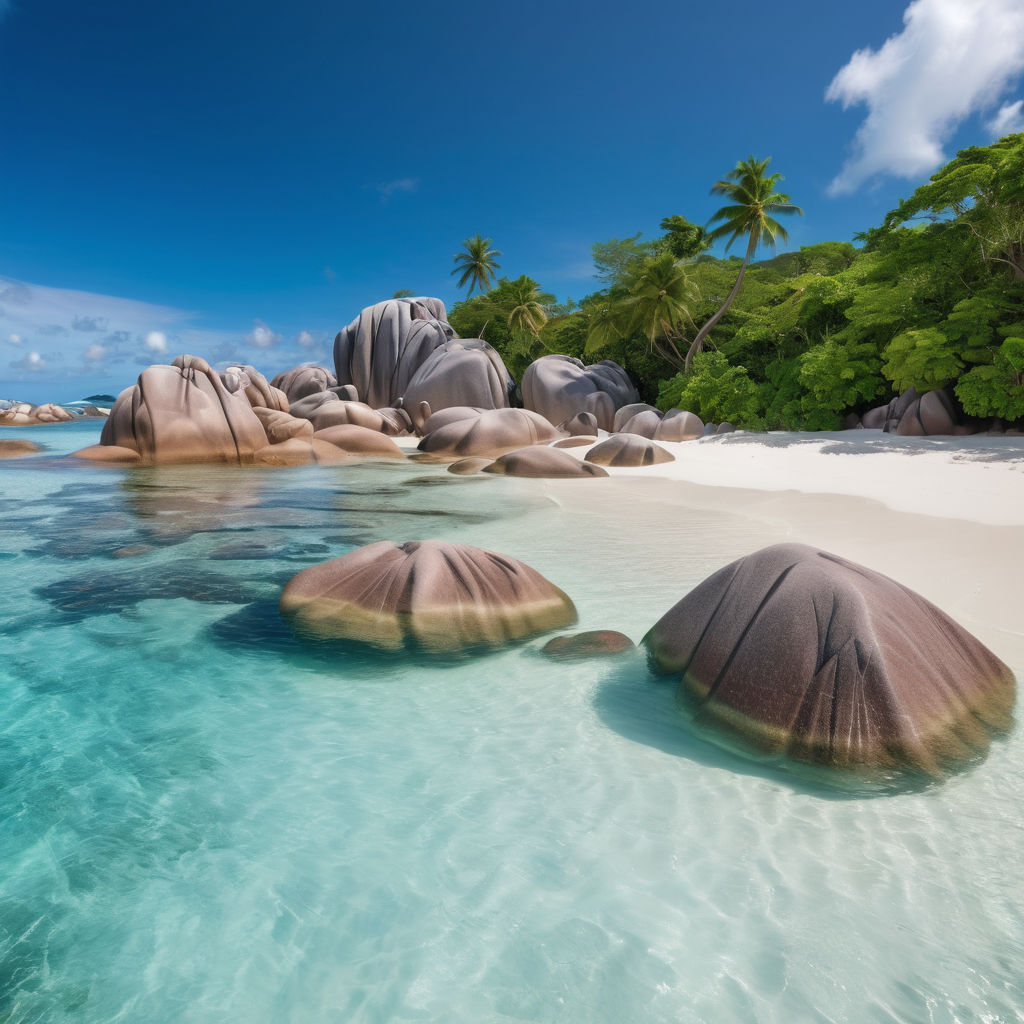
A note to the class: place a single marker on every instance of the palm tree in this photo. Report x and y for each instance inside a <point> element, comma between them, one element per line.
<point>754,200</point>
<point>526,313</point>
<point>477,264</point>
<point>659,294</point>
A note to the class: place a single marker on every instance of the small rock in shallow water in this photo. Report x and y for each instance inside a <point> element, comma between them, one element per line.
<point>597,643</point>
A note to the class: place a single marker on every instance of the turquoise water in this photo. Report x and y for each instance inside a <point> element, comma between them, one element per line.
<point>202,822</point>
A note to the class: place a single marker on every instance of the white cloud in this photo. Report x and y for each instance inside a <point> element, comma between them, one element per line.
<point>389,188</point>
<point>94,353</point>
<point>1009,118</point>
<point>33,362</point>
<point>156,341</point>
<point>305,340</point>
<point>953,58</point>
<point>14,339</point>
<point>262,336</point>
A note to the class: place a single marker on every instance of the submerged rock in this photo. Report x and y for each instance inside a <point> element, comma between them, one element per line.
<point>597,643</point>
<point>432,595</point>
<point>795,651</point>
<point>17,449</point>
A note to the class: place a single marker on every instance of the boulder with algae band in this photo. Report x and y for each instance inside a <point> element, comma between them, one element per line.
<point>796,651</point>
<point>430,595</point>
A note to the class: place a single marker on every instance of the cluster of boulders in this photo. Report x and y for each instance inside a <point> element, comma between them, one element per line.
<point>25,414</point>
<point>399,371</point>
<point>790,651</point>
<point>935,413</point>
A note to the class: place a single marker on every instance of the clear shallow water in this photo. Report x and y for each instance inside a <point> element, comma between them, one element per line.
<point>202,822</point>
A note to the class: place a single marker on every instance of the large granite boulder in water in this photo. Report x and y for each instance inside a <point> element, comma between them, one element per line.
<point>458,373</point>
<point>180,413</point>
<point>493,433</point>
<point>427,595</point>
<point>795,651</point>
<point>558,387</point>
<point>24,414</point>
<point>301,381</point>
<point>381,350</point>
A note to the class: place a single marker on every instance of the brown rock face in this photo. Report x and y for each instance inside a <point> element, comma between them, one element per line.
<point>542,462</point>
<point>255,387</point>
<point>24,414</point>
<point>325,410</point>
<point>381,350</point>
<point>643,424</point>
<point>357,440</point>
<point>679,425</point>
<point>583,424</point>
<point>627,412</point>
<point>558,387</point>
<point>628,450</point>
<point>301,381</point>
<point>597,643</point>
<point>490,433</point>
<point>931,414</point>
<point>799,652</point>
<point>281,426</point>
<point>457,374</point>
<point>443,417</point>
<point>181,413</point>
<point>430,595</point>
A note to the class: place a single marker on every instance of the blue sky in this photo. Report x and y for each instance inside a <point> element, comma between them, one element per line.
<point>239,180</point>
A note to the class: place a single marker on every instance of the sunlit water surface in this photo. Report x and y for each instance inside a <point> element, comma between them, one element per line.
<point>201,821</point>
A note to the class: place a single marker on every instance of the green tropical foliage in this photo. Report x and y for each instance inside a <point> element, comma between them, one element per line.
<point>477,263</point>
<point>933,297</point>
<point>751,212</point>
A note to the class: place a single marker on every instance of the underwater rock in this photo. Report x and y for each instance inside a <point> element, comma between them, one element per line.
<point>18,449</point>
<point>596,643</point>
<point>540,461</point>
<point>558,387</point>
<point>492,433</point>
<point>458,373</point>
<point>381,350</point>
<point>795,651</point>
<point>432,595</point>
<point>628,450</point>
<point>179,413</point>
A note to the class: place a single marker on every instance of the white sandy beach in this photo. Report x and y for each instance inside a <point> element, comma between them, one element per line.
<point>944,516</point>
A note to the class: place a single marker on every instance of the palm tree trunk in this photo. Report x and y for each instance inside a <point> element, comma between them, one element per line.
<point>698,342</point>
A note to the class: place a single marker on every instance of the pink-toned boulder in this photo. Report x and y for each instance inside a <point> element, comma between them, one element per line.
<point>281,426</point>
<point>381,350</point>
<point>492,433</point>
<point>250,382</point>
<point>597,643</point>
<point>643,424</point>
<point>180,413</point>
<point>627,412</point>
<point>558,387</point>
<point>458,373</point>
<point>356,440</point>
<point>796,651</point>
<point>679,425</point>
<point>583,424</point>
<point>301,381</point>
<point>541,461</point>
<point>24,414</point>
<point>443,417</point>
<point>628,450</point>
<point>325,409</point>
<point>427,595</point>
